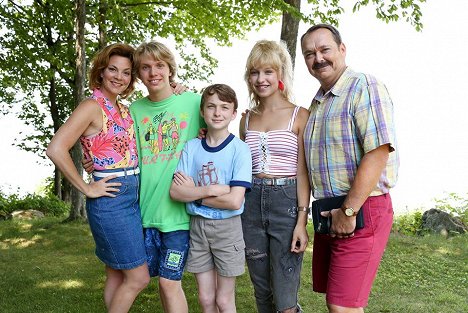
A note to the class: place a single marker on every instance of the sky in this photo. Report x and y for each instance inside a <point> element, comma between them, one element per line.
<point>425,73</point>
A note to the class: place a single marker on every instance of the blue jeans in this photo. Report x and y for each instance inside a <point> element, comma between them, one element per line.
<point>268,224</point>
<point>116,225</point>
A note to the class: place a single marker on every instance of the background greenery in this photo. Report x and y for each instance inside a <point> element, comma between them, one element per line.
<point>49,266</point>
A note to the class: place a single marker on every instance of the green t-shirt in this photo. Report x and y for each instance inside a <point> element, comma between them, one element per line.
<point>162,129</point>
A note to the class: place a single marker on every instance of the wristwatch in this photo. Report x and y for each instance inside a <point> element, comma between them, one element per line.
<point>348,211</point>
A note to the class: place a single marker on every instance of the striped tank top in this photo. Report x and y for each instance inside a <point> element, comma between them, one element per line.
<point>274,152</point>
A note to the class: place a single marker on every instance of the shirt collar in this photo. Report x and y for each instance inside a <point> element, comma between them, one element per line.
<point>339,88</point>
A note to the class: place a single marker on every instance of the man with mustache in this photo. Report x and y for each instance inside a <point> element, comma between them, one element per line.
<point>350,148</point>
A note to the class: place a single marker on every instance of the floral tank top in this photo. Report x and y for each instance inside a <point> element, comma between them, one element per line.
<point>115,145</point>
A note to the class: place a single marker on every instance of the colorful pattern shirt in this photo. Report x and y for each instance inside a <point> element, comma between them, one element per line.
<point>227,164</point>
<point>162,129</point>
<point>348,121</point>
<point>114,146</point>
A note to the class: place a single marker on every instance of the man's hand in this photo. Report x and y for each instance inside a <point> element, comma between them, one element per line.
<point>178,88</point>
<point>87,165</point>
<point>202,133</point>
<point>342,226</point>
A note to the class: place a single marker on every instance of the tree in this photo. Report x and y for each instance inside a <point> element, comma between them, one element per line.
<point>328,11</point>
<point>40,41</point>
<point>290,27</point>
<point>78,210</point>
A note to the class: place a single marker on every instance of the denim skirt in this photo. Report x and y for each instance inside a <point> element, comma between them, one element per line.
<point>116,225</point>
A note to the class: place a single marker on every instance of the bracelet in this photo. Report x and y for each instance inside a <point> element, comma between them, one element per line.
<point>303,209</point>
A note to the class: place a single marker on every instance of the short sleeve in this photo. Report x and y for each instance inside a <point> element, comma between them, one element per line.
<point>183,165</point>
<point>373,115</point>
<point>242,167</point>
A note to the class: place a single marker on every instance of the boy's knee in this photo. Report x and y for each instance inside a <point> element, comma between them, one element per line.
<point>224,302</point>
<point>168,285</point>
<point>206,300</point>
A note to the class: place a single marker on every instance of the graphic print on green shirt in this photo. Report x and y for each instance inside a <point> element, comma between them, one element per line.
<point>162,129</point>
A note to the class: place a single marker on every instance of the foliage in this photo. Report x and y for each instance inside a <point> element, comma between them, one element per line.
<point>455,204</point>
<point>50,205</point>
<point>408,224</point>
<point>452,203</point>
<point>39,44</point>
<point>37,65</point>
<point>409,10</point>
<point>49,266</point>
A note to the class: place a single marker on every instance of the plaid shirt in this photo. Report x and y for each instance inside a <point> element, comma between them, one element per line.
<point>351,119</point>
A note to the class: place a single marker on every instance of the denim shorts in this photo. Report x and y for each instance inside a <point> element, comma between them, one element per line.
<point>166,252</point>
<point>116,225</point>
<point>268,224</point>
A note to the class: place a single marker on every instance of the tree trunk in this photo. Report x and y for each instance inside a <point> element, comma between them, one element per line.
<point>102,23</point>
<point>54,112</point>
<point>58,183</point>
<point>290,28</point>
<point>77,210</point>
<point>77,203</point>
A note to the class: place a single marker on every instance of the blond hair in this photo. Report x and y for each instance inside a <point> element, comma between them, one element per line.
<point>158,51</point>
<point>275,55</point>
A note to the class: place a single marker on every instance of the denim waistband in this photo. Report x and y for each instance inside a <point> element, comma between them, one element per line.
<point>283,181</point>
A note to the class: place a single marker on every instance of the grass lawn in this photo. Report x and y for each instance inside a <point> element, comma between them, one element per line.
<point>47,266</point>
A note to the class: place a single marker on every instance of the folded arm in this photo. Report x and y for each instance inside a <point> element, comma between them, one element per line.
<point>183,189</point>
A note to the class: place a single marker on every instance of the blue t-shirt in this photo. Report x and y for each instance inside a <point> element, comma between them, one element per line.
<point>229,163</point>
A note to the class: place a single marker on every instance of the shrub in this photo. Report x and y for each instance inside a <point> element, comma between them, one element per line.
<point>408,224</point>
<point>454,204</point>
<point>49,205</point>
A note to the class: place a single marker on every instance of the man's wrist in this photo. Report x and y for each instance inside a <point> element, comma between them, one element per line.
<point>349,211</point>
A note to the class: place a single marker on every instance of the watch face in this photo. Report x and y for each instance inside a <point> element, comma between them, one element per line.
<point>349,212</point>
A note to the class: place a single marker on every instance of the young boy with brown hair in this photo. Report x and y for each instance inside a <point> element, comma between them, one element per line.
<point>212,177</point>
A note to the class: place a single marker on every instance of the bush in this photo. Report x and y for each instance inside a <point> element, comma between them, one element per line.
<point>408,224</point>
<point>411,223</point>
<point>49,205</point>
<point>454,204</point>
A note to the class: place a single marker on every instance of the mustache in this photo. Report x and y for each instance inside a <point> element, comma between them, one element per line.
<point>317,66</point>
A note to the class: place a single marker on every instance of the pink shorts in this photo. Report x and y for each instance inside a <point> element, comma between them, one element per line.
<point>345,269</point>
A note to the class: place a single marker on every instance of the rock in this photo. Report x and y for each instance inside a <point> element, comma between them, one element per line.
<point>441,222</point>
<point>26,214</point>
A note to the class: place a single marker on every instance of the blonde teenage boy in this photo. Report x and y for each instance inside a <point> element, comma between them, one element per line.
<point>164,122</point>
